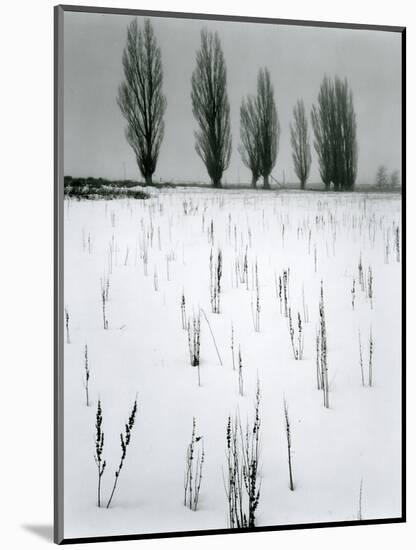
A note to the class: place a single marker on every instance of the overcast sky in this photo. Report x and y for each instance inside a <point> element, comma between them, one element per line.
<point>297,57</point>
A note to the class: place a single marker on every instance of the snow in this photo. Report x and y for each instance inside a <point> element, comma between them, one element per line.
<point>144,352</point>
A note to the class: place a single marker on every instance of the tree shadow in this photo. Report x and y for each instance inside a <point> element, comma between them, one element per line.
<point>43,531</point>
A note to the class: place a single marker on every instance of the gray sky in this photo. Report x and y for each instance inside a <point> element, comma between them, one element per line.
<point>297,57</point>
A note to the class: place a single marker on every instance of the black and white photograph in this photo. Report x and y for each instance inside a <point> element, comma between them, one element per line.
<point>229,202</point>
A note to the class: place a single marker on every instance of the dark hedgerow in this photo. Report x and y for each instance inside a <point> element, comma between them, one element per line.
<point>100,188</point>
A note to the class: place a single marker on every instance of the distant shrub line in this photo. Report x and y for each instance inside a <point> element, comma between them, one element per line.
<point>95,188</point>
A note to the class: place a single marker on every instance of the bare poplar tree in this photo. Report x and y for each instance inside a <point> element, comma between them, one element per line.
<point>269,128</point>
<point>140,96</point>
<point>346,136</point>
<point>301,150</point>
<point>381,177</point>
<point>211,107</point>
<point>394,179</point>
<point>322,126</point>
<point>335,129</point>
<point>250,139</point>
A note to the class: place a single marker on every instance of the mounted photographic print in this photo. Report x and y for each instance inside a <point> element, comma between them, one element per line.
<point>229,252</point>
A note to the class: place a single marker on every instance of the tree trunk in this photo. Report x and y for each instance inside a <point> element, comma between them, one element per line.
<point>148,179</point>
<point>216,183</point>
<point>266,184</point>
<point>302,184</point>
<point>253,181</point>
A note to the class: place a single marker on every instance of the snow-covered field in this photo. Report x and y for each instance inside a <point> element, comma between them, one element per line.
<point>144,352</point>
